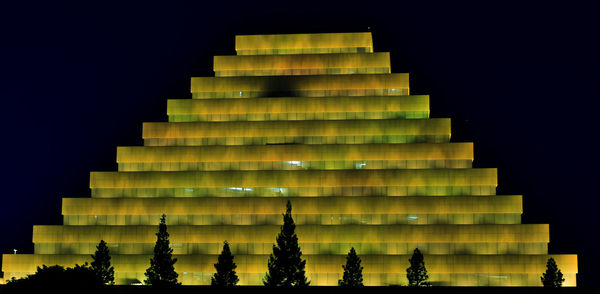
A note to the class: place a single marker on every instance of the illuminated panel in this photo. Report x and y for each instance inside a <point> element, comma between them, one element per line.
<point>295,156</point>
<point>435,182</point>
<point>335,178</point>
<point>256,247</point>
<point>294,165</point>
<point>303,219</point>
<point>308,210</point>
<point>298,132</point>
<point>306,233</point>
<point>298,108</point>
<point>304,64</point>
<point>326,270</point>
<point>302,205</point>
<point>303,43</point>
<point>309,86</point>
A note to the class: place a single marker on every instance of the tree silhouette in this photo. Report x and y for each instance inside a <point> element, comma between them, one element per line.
<point>56,278</point>
<point>225,275</point>
<point>101,264</point>
<point>162,270</point>
<point>352,271</point>
<point>552,278</point>
<point>286,267</point>
<point>416,273</point>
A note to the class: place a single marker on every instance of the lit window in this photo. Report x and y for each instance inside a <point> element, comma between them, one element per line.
<point>497,277</point>
<point>278,189</point>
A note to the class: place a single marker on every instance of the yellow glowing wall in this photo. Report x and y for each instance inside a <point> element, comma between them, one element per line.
<point>316,239</point>
<point>302,219</point>
<point>257,247</point>
<point>260,129</point>
<point>303,43</point>
<point>318,210</point>
<point>399,182</point>
<point>295,157</point>
<point>310,86</point>
<point>294,165</point>
<point>298,108</point>
<point>304,64</point>
<point>435,182</point>
<point>305,132</point>
<point>306,233</point>
<point>309,210</point>
<point>444,270</point>
<point>302,205</point>
<point>308,178</point>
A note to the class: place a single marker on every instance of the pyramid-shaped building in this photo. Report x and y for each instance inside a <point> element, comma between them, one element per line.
<point>320,120</point>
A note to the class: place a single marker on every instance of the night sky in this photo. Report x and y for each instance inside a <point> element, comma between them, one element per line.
<point>520,80</point>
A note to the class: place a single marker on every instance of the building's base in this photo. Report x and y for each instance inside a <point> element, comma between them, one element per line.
<point>331,290</point>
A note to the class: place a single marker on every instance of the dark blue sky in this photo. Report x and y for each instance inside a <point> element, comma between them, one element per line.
<point>520,80</point>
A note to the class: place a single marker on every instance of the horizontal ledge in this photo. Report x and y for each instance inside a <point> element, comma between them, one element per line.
<point>298,105</point>
<point>301,205</point>
<point>453,264</point>
<point>284,84</point>
<point>301,61</point>
<point>295,152</point>
<point>472,233</point>
<point>300,178</point>
<point>306,128</point>
<point>297,41</point>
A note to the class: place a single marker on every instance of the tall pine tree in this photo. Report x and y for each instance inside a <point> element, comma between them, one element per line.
<point>352,271</point>
<point>101,264</point>
<point>553,277</point>
<point>225,275</point>
<point>162,270</point>
<point>286,267</point>
<point>416,273</point>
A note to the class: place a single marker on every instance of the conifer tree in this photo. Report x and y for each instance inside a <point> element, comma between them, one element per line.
<point>286,267</point>
<point>162,271</point>
<point>553,277</point>
<point>225,275</point>
<point>352,271</point>
<point>101,264</point>
<point>416,273</point>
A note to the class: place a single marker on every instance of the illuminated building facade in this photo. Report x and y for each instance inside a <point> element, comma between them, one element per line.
<point>318,119</point>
